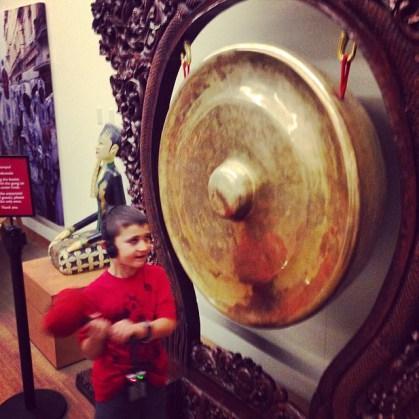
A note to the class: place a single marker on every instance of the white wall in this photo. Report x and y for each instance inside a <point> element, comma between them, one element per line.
<point>81,91</point>
<point>295,356</point>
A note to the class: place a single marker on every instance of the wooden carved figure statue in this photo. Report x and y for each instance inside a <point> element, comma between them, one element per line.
<point>73,251</point>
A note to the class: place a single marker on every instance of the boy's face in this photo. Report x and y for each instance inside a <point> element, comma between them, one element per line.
<point>134,245</point>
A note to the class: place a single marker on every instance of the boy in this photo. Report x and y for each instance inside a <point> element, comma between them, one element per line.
<point>134,309</point>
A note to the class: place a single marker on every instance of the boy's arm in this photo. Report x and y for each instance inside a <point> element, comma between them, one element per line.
<point>156,329</point>
<point>125,330</point>
<point>165,322</point>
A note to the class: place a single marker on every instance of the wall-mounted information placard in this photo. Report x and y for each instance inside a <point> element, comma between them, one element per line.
<point>15,187</point>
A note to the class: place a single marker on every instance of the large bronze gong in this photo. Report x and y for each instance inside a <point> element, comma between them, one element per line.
<point>270,186</point>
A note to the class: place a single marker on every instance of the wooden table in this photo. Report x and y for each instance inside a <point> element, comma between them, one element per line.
<point>42,283</point>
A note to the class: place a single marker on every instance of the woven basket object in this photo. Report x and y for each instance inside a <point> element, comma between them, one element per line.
<point>89,258</point>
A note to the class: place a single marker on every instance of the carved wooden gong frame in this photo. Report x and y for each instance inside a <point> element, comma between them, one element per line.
<point>378,370</point>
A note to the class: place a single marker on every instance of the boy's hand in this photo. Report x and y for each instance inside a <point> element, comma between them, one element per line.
<point>97,332</point>
<point>122,331</point>
<point>98,328</point>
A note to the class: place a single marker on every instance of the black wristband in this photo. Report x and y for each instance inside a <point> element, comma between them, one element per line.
<point>148,334</point>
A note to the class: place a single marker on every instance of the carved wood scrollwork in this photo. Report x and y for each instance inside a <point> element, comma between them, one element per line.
<point>407,12</point>
<point>392,393</point>
<point>130,31</point>
<point>245,380</point>
<point>197,406</point>
<point>240,376</point>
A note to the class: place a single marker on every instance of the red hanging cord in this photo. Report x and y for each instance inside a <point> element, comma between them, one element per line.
<point>186,69</point>
<point>186,59</point>
<point>345,62</point>
<point>345,66</point>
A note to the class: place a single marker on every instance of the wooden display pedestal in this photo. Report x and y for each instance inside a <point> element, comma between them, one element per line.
<point>42,283</point>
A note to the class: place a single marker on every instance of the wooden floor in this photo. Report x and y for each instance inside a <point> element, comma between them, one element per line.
<point>45,375</point>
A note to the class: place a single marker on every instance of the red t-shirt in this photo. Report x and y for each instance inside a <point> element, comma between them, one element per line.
<point>144,296</point>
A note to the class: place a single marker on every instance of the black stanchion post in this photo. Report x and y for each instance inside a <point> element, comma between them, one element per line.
<point>14,239</point>
<point>34,404</point>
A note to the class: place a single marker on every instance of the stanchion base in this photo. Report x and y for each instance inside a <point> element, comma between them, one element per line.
<point>49,405</point>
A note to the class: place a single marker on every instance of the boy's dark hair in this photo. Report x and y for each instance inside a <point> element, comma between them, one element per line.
<point>118,217</point>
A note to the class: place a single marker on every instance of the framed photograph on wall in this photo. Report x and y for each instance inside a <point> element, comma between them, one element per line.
<point>27,117</point>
